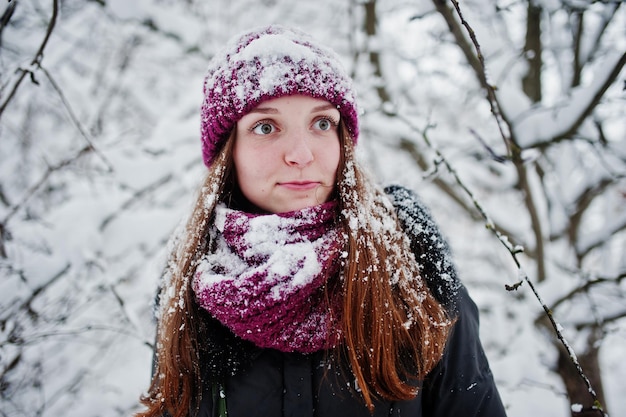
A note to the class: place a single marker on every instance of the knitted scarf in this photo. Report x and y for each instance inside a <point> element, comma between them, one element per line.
<point>265,280</point>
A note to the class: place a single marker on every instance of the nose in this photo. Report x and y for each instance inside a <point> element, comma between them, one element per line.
<point>298,152</point>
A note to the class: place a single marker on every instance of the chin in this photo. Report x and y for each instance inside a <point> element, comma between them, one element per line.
<point>295,206</point>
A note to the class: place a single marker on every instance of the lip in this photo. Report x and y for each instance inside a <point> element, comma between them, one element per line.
<point>299,185</point>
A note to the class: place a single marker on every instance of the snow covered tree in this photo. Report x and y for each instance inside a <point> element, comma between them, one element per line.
<point>548,161</point>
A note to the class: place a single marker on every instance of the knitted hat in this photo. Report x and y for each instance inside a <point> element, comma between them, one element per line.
<point>267,63</point>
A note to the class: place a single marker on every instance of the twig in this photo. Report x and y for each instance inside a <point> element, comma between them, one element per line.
<point>442,160</point>
<point>27,304</point>
<point>587,286</point>
<point>30,339</point>
<point>478,64</point>
<point>75,120</point>
<point>127,316</point>
<point>135,197</point>
<point>505,132</point>
<point>36,61</point>
<point>41,182</point>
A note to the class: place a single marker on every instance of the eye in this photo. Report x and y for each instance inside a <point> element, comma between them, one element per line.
<point>324,123</point>
<point>263,128</point>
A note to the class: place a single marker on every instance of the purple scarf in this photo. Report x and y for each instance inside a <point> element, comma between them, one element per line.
<point>265,280</point>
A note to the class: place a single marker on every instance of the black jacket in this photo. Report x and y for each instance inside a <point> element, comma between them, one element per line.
<point>268,383</point>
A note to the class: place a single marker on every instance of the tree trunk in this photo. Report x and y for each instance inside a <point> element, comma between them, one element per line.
<point>531,83</point>
<point>370,23</point>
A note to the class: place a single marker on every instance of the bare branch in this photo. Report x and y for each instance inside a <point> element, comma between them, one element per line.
<point>36,61</point>
<point>135,197</point>
<point>51,169</point>
<point>26,305</point>
<point>583,202</point>
<point>598,239</point>
<point>74,119</point>
<point>477,62</point>
<point>442,160</point>
<point>6,17</point>
<point>410,147</point>
<point>605,320</point>
<point>587,286</point>
<point>36,337</point>
<point>466,47</point>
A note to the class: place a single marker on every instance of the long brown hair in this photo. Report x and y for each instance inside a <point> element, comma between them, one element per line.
<point>394,329</point>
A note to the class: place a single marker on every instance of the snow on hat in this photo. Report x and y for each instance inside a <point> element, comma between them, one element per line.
<point>267,63</point>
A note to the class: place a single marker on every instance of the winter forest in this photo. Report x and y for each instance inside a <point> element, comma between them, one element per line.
<point>507,117</point>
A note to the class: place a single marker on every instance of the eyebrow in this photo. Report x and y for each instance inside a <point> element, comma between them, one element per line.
<point>324,107</point>
<point>272,110</point>
<point>264,110</point>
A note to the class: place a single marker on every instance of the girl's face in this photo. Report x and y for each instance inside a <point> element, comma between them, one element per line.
<point>286,153</point>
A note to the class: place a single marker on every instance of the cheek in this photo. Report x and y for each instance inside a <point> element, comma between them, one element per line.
<point>243,165</point>
<point>252,164</point>
<point>243,156</point>
<point>332,157</point>
<point>253,168</point>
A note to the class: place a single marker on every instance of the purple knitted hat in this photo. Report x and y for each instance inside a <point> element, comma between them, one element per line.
<point>267,63</point>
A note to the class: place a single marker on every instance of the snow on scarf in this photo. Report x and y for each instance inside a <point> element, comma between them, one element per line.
<point>265,279</point>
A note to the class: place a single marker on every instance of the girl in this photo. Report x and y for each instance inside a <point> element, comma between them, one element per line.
<point>298,287</point>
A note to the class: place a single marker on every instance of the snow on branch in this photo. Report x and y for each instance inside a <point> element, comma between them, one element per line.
<point>542,126</point>
<point>575,115</point>
<point>594,240</point>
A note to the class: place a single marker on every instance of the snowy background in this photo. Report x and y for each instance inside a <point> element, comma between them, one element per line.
<point>100,160</point>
